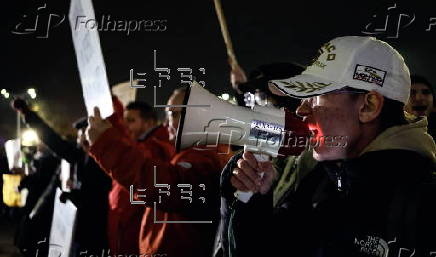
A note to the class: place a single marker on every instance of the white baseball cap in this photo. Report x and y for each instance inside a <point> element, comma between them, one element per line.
<point>352,61</point>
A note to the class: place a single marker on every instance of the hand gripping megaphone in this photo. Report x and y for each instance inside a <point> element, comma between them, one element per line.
<point>265,131</point>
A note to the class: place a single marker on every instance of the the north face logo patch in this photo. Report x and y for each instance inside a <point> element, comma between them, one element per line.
<point>372,246</point>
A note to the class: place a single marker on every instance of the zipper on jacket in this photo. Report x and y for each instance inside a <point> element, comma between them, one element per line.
<point>339,173</point>
<point>339,181</point>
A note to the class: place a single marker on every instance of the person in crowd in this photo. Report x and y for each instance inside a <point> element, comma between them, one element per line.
<point>254,89</point>
<point>372,196</point>
<point>258,84</point>
<point>422,101</point>
<point>141,126</point>
<point>90,191</point>
<point>32,234</point>
<point>181,194</point>
<point>4,168</point>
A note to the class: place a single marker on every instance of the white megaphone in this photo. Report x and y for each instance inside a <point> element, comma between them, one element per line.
<point>209,121</point>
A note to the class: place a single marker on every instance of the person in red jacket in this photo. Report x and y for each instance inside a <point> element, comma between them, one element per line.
<point>182,195</point>
<point>139,124</point>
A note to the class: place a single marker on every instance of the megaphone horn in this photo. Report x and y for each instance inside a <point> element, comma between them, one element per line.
<point>209,121</point>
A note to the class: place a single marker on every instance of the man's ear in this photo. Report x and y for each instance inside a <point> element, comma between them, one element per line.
<point>371,106</point>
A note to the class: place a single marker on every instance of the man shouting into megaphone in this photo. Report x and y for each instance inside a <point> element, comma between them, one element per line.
<point>373,196</point>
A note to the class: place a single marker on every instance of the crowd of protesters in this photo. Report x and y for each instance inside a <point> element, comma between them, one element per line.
<point>372,197</point>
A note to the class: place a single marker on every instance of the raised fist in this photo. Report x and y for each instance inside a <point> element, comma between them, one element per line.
<point>20,105</point>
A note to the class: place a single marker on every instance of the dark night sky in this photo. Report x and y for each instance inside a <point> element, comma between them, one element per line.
<point>265,32</point>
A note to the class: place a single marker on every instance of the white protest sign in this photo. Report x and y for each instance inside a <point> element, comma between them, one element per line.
<point>66,176</point>
<point>62,227</point>
<point>13,153</point>
<point>89,57</point>
<point>125,92</point>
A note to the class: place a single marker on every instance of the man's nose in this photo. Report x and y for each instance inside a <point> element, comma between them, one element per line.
<point>304,109</point>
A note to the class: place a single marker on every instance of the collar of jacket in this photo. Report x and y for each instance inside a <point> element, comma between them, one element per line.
<point>160,132</point>
<point>412,136</point>
<point>378,169</point>
<point>396,141</point>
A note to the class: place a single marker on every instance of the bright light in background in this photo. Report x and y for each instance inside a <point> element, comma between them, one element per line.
<point>29,137</point>
<point>225,97</point>
<point>31,92</point>
<point>5,93</point>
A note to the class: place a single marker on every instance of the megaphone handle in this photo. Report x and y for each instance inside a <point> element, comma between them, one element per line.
<point>246,196</point>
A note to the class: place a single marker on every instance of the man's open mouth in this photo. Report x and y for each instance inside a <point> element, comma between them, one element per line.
<point>314,136</point>
<point>313,132</point>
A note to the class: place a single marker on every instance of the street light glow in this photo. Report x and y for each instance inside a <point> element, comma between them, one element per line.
<point>31,92</point>
<point>3,91</point>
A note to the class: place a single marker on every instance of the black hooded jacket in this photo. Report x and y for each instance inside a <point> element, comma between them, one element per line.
<point>380,204</point>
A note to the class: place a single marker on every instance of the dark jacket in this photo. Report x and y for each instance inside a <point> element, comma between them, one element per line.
<point>379,204</point>
<point>91,199</point>
<point>34,228</point>
<point>382,202</point>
